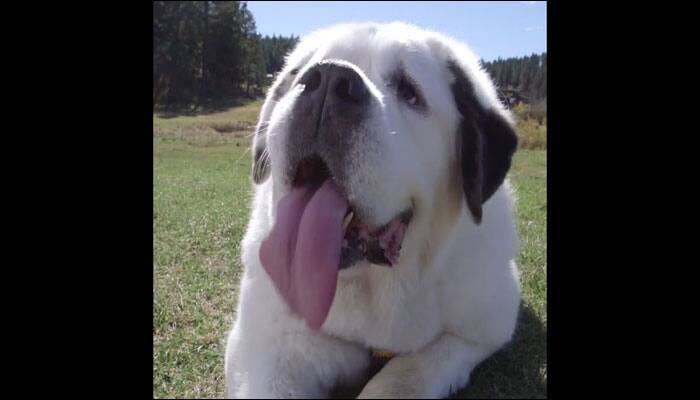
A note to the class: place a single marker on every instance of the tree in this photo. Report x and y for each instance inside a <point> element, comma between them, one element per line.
<point>253,71</point>
<point>527,75</point>
<point>204,52</point>
<point>275,49</point>
<point>175,51</point>
<point>223,64</point>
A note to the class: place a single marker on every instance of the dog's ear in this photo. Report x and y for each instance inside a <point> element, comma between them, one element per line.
<point>488,142</point>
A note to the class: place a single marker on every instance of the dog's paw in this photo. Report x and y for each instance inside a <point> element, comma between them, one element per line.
<point>401,378</point>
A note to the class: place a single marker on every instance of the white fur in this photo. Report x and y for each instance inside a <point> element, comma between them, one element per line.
<point>453,298</point>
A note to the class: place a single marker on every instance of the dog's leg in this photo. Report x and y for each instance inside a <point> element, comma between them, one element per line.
<point>435,371</point>
<point>289,365</point>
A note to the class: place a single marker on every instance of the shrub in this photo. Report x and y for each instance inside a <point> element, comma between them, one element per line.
<point>531,122</point>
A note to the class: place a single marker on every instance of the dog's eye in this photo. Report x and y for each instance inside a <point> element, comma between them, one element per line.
<point>294,71</point>
<point>407,93</point>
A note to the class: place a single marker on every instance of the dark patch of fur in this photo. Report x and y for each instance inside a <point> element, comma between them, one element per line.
<point>488,142</point>
<point>324,123</point>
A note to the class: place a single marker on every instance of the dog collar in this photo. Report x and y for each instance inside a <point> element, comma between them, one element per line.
<point>378,359</point>
<point>382,354</point>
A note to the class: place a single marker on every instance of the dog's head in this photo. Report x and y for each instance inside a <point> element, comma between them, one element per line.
<point>373,139</point>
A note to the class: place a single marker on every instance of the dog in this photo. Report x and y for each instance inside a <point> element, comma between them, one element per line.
<point>382,219</point>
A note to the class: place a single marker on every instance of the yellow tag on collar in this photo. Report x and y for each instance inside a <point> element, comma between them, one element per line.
<point>382,354</point>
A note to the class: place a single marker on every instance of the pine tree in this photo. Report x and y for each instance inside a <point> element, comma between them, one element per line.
<point>526,75</point>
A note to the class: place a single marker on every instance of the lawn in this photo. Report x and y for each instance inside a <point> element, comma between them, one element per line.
<point>201,192</point>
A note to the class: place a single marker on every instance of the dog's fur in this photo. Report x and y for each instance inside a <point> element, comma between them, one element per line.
<point>453,298</point>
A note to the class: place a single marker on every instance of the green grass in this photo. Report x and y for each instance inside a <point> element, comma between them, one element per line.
<point>201,193</point>
<point>200,206</point>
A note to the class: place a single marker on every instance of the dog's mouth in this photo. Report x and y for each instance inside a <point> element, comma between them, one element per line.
<point>317,232</point>
<point>379,245</point>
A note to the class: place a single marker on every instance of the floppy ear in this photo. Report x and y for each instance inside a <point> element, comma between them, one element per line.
<point>488,142</point>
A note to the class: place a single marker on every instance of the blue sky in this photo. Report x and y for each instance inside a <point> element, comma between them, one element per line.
<point>492,29</point>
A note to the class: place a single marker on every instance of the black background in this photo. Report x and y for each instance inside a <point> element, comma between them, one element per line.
<point>78,186</point>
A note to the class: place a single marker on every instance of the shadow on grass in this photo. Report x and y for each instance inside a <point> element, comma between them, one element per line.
<point>516,370</point>
<point>167,112</point>
<point>512,372</point>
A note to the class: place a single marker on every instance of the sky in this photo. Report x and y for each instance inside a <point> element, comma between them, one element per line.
<point>491,29</point>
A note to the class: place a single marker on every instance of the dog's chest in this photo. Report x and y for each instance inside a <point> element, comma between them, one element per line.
<point>385,313</point>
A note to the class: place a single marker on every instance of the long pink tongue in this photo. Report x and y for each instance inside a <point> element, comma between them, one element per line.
<point>302,252</point>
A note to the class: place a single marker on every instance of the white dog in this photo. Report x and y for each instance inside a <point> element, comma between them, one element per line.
<point>381,220</point>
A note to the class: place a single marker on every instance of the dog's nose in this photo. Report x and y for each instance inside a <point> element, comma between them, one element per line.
<point>339,81</point>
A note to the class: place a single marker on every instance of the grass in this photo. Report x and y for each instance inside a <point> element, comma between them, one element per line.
<point>235,119</point>
<point>201,193</point>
